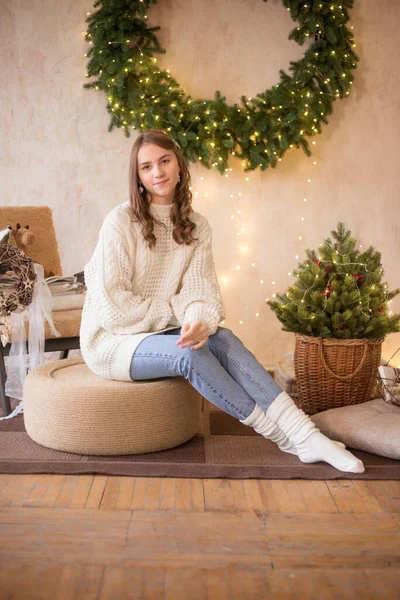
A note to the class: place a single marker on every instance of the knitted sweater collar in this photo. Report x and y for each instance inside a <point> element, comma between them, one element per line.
<point>161,211</point>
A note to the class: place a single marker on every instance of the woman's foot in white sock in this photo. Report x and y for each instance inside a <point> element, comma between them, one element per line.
<point>309,443</point>
<point>318,447</point>
<point>291,449</point>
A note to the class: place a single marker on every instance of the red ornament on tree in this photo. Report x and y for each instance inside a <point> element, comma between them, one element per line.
<point>380,310</point>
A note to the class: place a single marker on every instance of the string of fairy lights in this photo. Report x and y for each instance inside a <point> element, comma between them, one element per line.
<point>244,247</point>
<point>120,112</point>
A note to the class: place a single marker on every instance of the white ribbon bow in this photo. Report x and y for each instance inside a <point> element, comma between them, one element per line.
<point>19,362</point>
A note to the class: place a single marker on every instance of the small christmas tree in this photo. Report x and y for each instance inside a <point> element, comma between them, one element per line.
<point>339,293</point>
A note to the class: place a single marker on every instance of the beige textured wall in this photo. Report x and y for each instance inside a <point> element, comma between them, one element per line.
<point>56,150</point>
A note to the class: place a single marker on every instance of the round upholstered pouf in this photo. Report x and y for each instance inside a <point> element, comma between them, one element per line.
<point>68,408</point>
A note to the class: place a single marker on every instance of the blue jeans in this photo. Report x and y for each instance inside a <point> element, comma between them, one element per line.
<point>223,370</point>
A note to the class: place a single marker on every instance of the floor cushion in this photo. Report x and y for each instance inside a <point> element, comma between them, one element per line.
<point>372,426</point>
<point>69,408</point>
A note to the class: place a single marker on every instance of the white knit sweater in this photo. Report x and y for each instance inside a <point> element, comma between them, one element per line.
<point>134,292</point>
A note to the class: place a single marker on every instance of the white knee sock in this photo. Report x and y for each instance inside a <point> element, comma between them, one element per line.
<point>310,444</point>
<point>263,425</point>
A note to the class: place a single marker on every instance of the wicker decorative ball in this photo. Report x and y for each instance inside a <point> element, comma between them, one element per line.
<point>20,294</point>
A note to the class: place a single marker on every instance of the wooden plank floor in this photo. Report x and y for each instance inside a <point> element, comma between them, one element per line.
<point>111,538</point>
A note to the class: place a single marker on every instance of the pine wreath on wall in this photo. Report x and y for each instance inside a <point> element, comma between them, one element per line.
<point>259,130</point>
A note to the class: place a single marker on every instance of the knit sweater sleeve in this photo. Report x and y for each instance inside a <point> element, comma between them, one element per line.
<point>108,277</point>
<point>199,298</point>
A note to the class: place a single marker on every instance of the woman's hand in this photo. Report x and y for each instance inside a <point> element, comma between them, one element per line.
<point>193,333</point>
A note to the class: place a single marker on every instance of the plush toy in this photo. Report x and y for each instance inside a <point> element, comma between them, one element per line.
<point>25,238</point>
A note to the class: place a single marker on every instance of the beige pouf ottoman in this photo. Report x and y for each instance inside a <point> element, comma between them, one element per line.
<point>68,408</point>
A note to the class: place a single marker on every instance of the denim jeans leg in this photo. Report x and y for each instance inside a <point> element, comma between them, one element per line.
<point>159,356</point>
<point>243,367</point>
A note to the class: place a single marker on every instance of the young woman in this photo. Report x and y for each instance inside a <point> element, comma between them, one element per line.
<point>153,306</point>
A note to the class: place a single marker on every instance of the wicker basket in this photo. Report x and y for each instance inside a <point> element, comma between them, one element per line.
<point>331,373</point>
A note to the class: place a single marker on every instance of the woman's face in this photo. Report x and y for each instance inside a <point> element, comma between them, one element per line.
<point>158,172</point>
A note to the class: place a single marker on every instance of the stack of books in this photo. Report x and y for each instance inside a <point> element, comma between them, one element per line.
<point>66,291</point>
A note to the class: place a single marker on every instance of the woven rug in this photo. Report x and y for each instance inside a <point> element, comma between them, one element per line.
<point>230,450</point>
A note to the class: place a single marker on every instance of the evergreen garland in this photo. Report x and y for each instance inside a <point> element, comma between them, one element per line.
<point>258,130</point>
<point>339,293</point>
